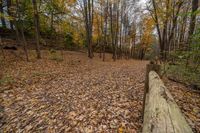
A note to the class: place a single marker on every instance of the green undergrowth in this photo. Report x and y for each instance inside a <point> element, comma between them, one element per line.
<point>180,73</point>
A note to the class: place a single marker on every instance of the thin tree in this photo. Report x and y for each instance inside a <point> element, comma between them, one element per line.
<point>9,4</point>
<point>37,29</point>
<point>20,25</point>
<point>105,28</point>
<point>3,22</point>
<point>155,17</point>
<point>195,4</point>
<point>112,29</point>
<point>88,15</point>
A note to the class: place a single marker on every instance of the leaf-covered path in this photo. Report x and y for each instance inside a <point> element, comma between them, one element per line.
<point>80,95</point>
<point>76,95</point>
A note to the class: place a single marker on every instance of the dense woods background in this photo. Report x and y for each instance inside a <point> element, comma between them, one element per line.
<point>165,32</point>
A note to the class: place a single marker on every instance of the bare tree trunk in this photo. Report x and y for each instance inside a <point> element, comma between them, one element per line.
<point>88,15</point>
<point>22,31</point>
<point>193,18</point>
<point>105,29</point>
<point>1,46</point>
<point>52,17</point>
<point>174,23</point>
<point>192,25</point>
<point>158,29</point>
<point>15,22</point>
<point>17,32</point>
<point>111,31</point>
<point>3,22</point>
<point>164,35</point>
<point>24,43</point>
<point>9,3</point>
<point>116,31</point>
<point>99,35</point>
<point>120,39</point>
<point>90,26</point>
<point>183,29</point>
<point>37,31</point>
<point>102,41</point>
<point>121,29</point>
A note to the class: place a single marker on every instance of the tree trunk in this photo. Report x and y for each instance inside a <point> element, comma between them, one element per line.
<point>120,38</point>
<point>3,22</point>
<point>101,27</point>
<point>9,3</point>
<point>182,32</point>
<point>37,31</point>
<point>111,29</point>
<point>17,27</point>
<point>158,29</point>
<point>193,18</point>
<point>2,51</point>
<point>24,43</point>
<point>105,29</point>
<point>16,23</point>
<point>90,21</point>
<point>52,17</point>
<point>88,16</point>
<point>174,24</point>
<point>116,7</point>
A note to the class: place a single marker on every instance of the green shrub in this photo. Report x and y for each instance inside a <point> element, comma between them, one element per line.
<point>69,41</point>
<point>183,74</point>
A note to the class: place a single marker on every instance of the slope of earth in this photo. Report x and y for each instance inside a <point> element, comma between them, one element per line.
<point>73,95</point>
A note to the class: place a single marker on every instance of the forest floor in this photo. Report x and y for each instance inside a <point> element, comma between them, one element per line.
<point>76,94</point>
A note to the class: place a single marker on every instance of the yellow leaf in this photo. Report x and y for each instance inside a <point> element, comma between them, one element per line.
<point>120,130</point>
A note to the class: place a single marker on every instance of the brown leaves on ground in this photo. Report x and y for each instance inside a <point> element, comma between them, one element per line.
<point>80,95</point>
<point>75,95</point>
<point>189,102</point>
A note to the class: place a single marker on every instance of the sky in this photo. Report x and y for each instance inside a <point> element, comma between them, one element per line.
<point>143,1</point>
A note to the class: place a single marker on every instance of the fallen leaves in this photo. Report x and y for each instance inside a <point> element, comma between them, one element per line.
<point>81,95</point>
<point>189,102</point>
<point>75,95</point>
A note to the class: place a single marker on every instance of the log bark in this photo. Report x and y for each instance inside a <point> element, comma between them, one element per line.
<point>162,115</point>
<point>150,67</point>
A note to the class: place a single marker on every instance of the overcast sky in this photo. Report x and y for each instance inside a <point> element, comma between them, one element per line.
<point>143,3</point>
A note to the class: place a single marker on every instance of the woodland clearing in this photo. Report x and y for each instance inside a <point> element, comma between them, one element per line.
<point>78,94</point>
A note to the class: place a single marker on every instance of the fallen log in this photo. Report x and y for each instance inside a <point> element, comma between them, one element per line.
<point>161,113</point>
<point>150,67</point>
